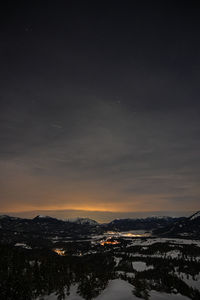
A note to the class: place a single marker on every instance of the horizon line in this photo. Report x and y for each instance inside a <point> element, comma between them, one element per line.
<point>99,211</point>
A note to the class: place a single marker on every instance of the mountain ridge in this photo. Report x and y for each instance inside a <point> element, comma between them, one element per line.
<point>47,225</point>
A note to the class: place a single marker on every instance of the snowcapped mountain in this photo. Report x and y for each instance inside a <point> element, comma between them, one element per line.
<point>13,228</point>
<point>80,221</point>
<point>19,230</point>
<point>84,221</point>
<point>43,218</point>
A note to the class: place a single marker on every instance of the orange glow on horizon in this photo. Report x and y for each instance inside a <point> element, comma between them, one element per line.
<point>140,203</point>
<point>89,209</point>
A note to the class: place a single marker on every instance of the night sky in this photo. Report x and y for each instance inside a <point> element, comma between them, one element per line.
<point>99,106</point>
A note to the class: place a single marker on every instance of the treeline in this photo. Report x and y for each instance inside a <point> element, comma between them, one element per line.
<point>27,275</point>
<point>30,274</point>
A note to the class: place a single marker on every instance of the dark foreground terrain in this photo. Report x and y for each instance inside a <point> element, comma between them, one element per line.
<point>84,260</point>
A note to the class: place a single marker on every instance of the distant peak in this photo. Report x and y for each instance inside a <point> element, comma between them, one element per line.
<point>83,221</point>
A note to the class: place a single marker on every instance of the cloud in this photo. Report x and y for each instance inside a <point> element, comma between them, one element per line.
<point>101,155</point>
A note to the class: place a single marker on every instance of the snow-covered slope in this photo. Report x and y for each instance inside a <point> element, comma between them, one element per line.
<point>185,227</point>
<point>196,215</point>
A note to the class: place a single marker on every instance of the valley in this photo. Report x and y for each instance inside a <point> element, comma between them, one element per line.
<point>88,261</point>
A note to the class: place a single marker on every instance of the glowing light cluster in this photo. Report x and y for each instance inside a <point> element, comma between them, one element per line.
<point>109,242</point>
<point>59,251</point>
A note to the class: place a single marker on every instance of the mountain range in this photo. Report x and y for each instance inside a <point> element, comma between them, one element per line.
<point>16,230</point>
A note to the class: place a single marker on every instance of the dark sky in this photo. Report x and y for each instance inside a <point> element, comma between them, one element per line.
<point>99,105</point>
